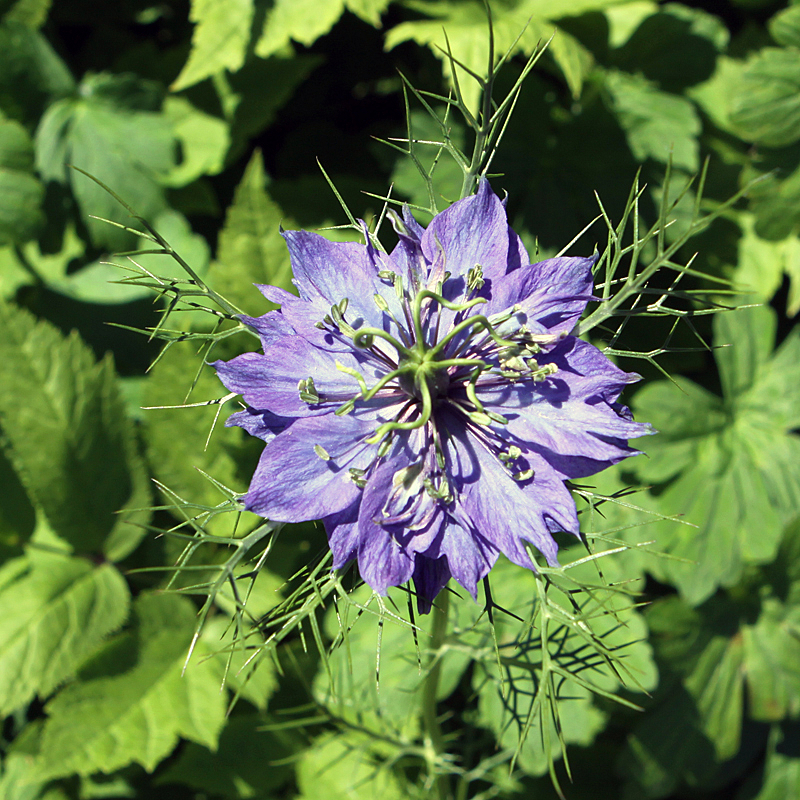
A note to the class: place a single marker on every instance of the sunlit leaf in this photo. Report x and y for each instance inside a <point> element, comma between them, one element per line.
<point>251,249</point>
<point>520,706</point>
<point>176,437</point>
<point>204,140</point>
<point>763,264</point>
<point>659,125</point>
<point>767,107</point>
<point>113,131</point>
<point>785,27</point>
<point>56,614</point>
<point>70,441</point>
<point>378,666</point>
<point>731,461</point>
<point>31,13</point>
<point>345,767</point>
<point>219,41</point>
<point>304,21</point>
<point>21,193</point>
<point>134,704</point>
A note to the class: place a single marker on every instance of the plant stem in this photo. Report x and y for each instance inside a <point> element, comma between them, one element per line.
<point>434,740</point>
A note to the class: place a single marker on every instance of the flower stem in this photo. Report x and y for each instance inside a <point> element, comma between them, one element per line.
<point>434,740</point>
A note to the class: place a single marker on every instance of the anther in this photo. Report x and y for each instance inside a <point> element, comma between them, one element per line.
<point>308,392</point>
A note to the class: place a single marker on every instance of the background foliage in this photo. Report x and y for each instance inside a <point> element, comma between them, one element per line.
<point>208,118</point>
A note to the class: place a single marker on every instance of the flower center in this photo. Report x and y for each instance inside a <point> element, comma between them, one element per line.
<point>420,368</point>
<point>426,367</point>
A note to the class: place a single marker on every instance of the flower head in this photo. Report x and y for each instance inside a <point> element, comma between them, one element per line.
<point>429,404</point>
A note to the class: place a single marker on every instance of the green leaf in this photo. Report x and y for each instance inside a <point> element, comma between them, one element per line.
<point>204,141</point>
<point>775,199</point>
<point>251,249</point>
<point>747,639</point>
<point>782,770</point>
<point>574,60</point>
<point>767,107</point>
<point>176,436</point>
<point>135,704</point>
<point>114,132</point>
<point>666,747</point>
<point>249,762</point>
<point>31,13</point>
<point>15,781</point>
<point>675,48</point>
<point>304,21</point>
<point>377,667</point>
<point>735,460</point>
<point>695,722</point>
<point>70,441</point>
<point>785,27</point>
<point>715,95</point>
<point>762,264</point>
<point>21,193</point>
<point>466,25</point>
<point>625,19</point>
<point>219,40</point>
<point>31,73</point>
<point>772,643</point>
<point>254,680</point>
<point>345,767</point>
<point>55,615</point>
<point>514,704</point>
<point>658,125</point>
<point>772,646</point>
<point>702,646</point>
<point>99,282</point>
<point>447,176</point>
<point>17,515</point>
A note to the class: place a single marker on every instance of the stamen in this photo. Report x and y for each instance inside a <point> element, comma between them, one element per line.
<point>475,279</point>
<point>308,392</point>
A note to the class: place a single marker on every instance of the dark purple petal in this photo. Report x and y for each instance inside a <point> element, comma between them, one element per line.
<point>261,424</point>
<point>294,483</point>
<point>430,577</point>
<point>470,556</point>
<point>382,562</point>
<point>342,530</point>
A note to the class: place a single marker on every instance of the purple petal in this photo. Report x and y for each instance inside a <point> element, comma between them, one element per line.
<point>261,424</point>
<point>269,382</point>
<point>471,231</point>
<point>293,483</point>
<point>553,292</point>
<point>382,562</point>
<point>430,577</point>
<point>470,556</point>
<point>342,530</point>
<point>493,503</point>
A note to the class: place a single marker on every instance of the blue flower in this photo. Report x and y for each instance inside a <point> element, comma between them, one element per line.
<point>429,404</point>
